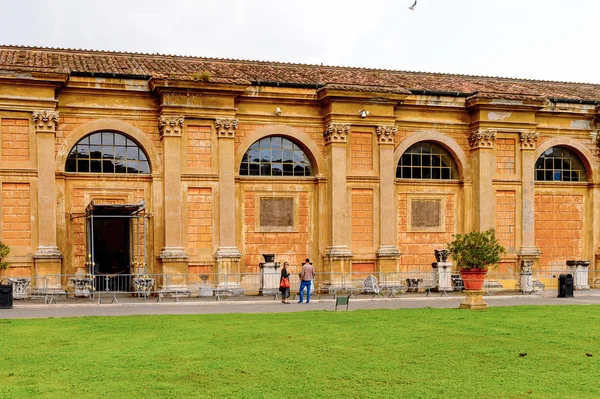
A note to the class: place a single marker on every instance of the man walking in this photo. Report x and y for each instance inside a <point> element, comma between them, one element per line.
<point>306,277</point>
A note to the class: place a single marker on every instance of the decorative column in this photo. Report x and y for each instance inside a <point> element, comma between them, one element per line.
<point>443,270</point>
<point>172,256</point>
<point>481,143</point>
<point>227,255</point>
<point>526,276</point>
<point>387,253</point>
<point>579,270</point>
<point>528,250</point>
<point>47,257</point>
<point>337,255</point>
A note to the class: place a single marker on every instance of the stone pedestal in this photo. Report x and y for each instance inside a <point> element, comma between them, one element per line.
<point>228,271</point>
<point>443,271</point>
<point>473,300</point>
<point>174,264</point>
<point>48,274</point>
<point>579,270</point>
<point>205,288</point>
<point>526,277</point>
<point>269,277</point>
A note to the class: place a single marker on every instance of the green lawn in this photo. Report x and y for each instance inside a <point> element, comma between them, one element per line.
<point>407,353</point>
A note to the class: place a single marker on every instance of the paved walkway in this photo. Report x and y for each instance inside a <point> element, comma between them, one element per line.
<point>133,306</point>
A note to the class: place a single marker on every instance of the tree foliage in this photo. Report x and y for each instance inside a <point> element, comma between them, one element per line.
<point>476,249</point>
<point>4,251</point>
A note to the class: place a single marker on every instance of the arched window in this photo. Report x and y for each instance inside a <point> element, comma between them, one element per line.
<point>426,160</point>
<point>107,152</point>
<point>275,156</point>
<point>559,164</point>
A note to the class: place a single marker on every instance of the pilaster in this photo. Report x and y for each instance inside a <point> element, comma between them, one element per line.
<point>481,143</point>
<point>528,250</point>
<point>47,257</point>
<point>338,255</point>
<point>387,253</point>
<point>173,257</point>
<point>227,255</point>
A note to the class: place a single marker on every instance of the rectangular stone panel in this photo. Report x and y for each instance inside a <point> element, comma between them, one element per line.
<point>276,212</point>
<point>426,213</point>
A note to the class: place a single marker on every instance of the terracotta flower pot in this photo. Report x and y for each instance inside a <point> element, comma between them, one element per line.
<point>473,278</point>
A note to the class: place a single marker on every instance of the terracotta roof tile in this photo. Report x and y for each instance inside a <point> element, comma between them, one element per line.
<point>34,59</point>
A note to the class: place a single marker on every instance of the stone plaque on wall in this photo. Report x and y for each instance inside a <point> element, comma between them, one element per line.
<point>277,213</point>
<point>426,213</point>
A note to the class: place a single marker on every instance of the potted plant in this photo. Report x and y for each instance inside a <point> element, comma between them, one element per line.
<point>474,253</point>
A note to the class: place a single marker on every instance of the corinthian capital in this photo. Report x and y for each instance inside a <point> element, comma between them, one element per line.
<point>595,136</point>
<point>528,139</point>
<point>482,138</point>
<point>45,121</point>
<point>336,133</point>
<point>226,127</point>
<point>171,125</point>
<point>385,134</point>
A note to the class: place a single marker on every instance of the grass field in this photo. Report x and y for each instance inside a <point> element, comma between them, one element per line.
<point>407,353</point>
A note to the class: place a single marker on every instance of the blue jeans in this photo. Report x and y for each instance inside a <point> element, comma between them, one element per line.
<point>307,285</point>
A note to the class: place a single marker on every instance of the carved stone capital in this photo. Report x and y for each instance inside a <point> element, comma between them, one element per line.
<point>528,139</point>
<point>386,133</point>
<point>171,126</point>
<point>481,138</point>
<point>45,121</point>
<point>526,266</point>
<point>336,133</point>
<point>226,127</point>
<point>595,136</point>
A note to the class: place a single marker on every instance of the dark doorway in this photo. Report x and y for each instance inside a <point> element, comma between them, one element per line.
<point>111,243</point>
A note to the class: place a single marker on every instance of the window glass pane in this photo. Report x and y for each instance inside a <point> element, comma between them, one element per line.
<point>144,167</point>
<point>108,166</point>
<point>277,169</point>
<point>254,169</point>
<point>96,138</point>
<point>120,152</point>
<point>426,160</point>
<point>436,173</point>
<point>287,156</point>
<point>132,153</point>
<point>286,144</point>
<point>425,173</point>
<point>71,165</point>
<point>254,155</point>
<point>108,138</point>
<point>265,155</point>
<point>446,173</point>
<point>83,166</point>
<point>288,169</point>
<point>83,151</point>
<point>96,166</point>
<point>276,142</point>
<point>96,152</point>
<point>265,169</point>
<point>276,156</point>
<point>120,139</point>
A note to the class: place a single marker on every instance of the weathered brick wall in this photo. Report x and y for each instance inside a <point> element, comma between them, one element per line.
<point>15,140</point>
<point>361,152</point>
<point>199,216</point>
<point>287,246</point>
<point>506,217</point>
<point>505,156</point>
<point>16,214</point>
<point>362,220</point>
<point>417,246</point>
<point>558,228</point>
<point>199,147</point>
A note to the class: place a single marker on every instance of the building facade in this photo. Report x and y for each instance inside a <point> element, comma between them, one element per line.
<point>172,165</point>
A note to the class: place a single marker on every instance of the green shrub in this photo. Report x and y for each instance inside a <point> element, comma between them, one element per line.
<point>476,249</point>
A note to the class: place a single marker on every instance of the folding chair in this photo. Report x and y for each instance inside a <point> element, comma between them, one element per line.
<point>342,300</point>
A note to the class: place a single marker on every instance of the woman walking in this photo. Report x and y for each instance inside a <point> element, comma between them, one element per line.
<point>284,283</point>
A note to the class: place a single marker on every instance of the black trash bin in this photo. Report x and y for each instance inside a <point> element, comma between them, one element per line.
<point>6,299</point>
<point>565,286</point>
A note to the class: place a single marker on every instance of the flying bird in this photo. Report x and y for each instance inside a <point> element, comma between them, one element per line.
<point>413,6</point>
<point>522,354</point>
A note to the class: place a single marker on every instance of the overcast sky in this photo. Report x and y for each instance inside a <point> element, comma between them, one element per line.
<point>534,39</point>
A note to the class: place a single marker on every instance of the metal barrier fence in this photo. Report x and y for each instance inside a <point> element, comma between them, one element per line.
<point>104,288</point>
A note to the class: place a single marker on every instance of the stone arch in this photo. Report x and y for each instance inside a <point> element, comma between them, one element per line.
<point>584,154</point>
<point>458,155</point>
<point>113,125</point>
<point>302,139</point>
